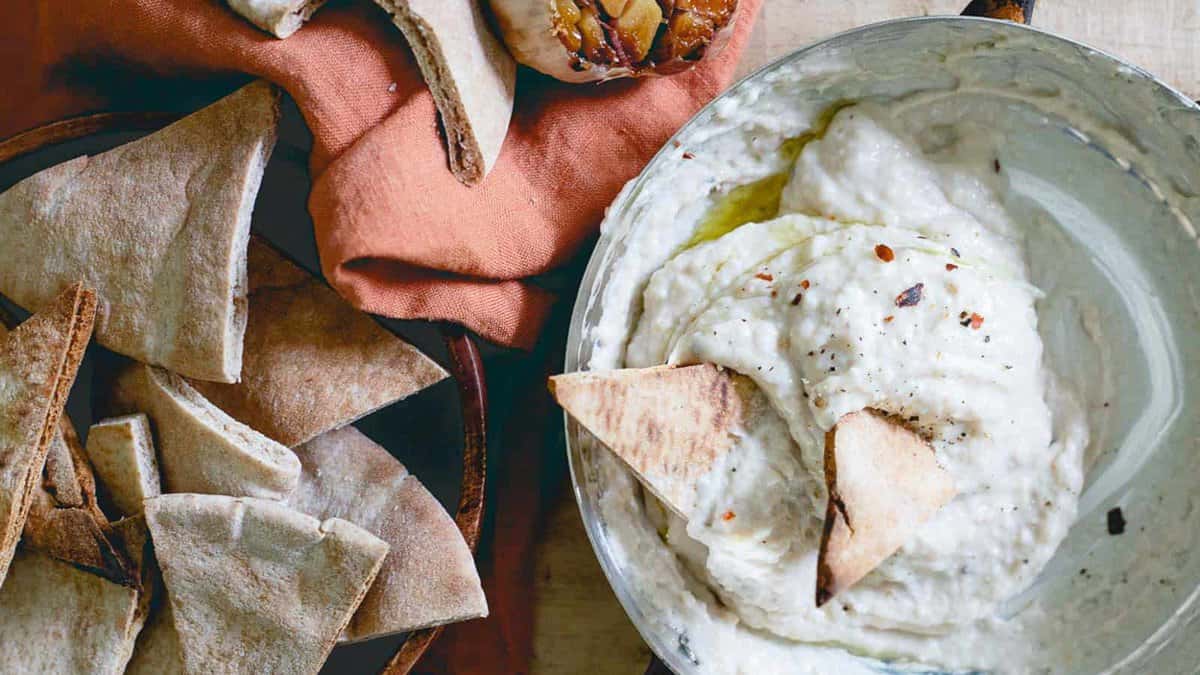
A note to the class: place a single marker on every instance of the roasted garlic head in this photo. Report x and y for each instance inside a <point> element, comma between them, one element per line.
<point>593,40</point>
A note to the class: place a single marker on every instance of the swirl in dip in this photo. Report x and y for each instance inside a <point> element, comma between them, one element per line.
<point>892,278</point>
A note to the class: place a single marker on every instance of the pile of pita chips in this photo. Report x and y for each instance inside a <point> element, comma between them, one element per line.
<point>470,74</point>
<point>158,227</point>
<point>311,361</point>
<point>65,520</point>
<point>255,586</point>
<point>884,482</point>
<point>280,18</point>
<point>38,362</point>
<point>202,449</point>
<point>669,424</point>
<point>249,582</point>
<point>429,576</point>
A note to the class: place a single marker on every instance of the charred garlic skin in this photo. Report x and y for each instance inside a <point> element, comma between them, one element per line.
<point>596,40</point>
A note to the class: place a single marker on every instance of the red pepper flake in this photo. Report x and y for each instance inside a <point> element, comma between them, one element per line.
<point>970,320</point>
<point>796,300</point>
<point>774,293</point>
<point>910,296</point>
<point>728,516</point>
<point>764,276</point>
<point>884,253</point>
<point>950,267</point>
<point>889,318</point>
<point>688,155</point>
<point>804,284</point>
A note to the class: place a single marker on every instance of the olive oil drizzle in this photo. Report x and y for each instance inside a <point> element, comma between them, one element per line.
<point>759,200</point>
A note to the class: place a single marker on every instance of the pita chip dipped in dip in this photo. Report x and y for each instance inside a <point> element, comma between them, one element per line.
<point>596,40</point>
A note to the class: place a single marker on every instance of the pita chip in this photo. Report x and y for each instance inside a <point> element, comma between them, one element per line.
<point>884,482</point>
<point>157,651</point>
<point>66,523</point>
<point>669,424</point>
<point>280,18</point>
<point>201,449</point>
<point>428,577</point>
<point>312,362</point>
<point>64,520</point>
<point>256,586</point>
<point>158,227</point>
<point>38,362</point>
<point>57,618</point>
<point>121,450</point>
<point>470,74</point>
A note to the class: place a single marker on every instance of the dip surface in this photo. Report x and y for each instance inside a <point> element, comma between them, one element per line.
<point>894,280</point>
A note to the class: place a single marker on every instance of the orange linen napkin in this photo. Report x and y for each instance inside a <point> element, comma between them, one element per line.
<point>398,235</point>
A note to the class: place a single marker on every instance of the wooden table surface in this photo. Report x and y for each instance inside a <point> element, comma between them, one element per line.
<point>578,625</point>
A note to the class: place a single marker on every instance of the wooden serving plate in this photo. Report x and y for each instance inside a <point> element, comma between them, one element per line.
<point>457,351</point>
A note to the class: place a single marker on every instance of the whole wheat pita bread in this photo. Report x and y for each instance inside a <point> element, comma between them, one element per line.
<point>200,448</point>
<point>38,362</point>
<point>281,18</point>
<point>158,227</point>
<point>256,586</point>
<point>121,450</point>
<point>56,618</point>
<point>65,521</point>
<point>669,424</point>
<point>884,482</point>
<point>470,74</point>
<point>312,362</point>
<point>429,576</point>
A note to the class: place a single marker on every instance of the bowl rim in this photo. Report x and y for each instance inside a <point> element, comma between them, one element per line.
<point>588,508</point>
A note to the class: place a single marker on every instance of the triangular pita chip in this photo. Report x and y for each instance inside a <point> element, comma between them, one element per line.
<point>66,523</point>
<point>469,72</point>
<point>281,18</point>
<point>57,618</point>
<point>122,453</point>
<point>670,424</point>
<point>429,576</point>
<point>312,362</point>
<point>158,227</point>
<point>38,362</point>
<point>200,448</point>
<point>256,586</point>
<point>884,482</point>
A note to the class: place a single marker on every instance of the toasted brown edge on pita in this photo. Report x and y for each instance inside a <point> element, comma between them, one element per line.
<point>79,304</point>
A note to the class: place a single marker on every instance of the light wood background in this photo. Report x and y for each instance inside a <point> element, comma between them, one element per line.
<point>578,625</point>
